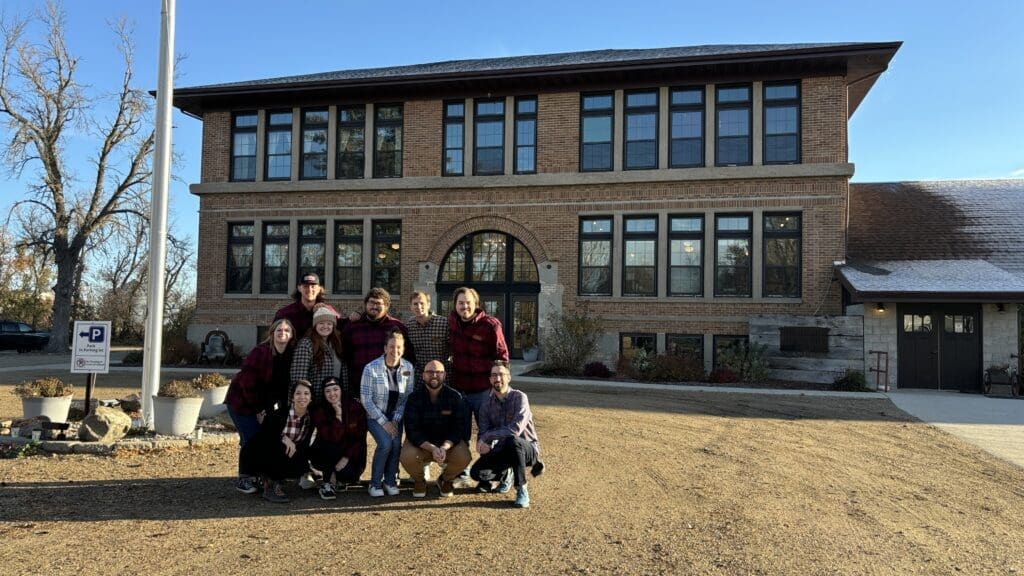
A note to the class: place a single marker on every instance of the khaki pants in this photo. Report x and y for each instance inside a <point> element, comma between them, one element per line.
<point>414,458</point>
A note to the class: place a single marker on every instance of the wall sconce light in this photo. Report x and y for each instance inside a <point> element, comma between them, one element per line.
<point>880,307</point>
<point>1001,307</point>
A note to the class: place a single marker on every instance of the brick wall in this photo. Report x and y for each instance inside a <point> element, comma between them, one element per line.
<point>558,132</point>
<point>216,147</point>
<point>823,119</point>
<point>421,148</point>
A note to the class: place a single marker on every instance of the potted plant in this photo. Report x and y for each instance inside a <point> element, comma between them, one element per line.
<point>50,397</point>
<point>213,387</point>
<point>526,339</point>
<point>176,408</point>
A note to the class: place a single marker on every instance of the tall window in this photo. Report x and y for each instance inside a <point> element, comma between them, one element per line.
<point>596,256</point>
<point>597,111</point>
<point>240,253</point>
<point>314,145</point>
<point>526,135</point>
<point>732,112</point>
<point>640,256</point>
<point>243,147</point>
<point>312,248</point>
<point>454,137</point>
<point>351,141</point>
<point>279,145</point>
<point>686,128</point>
<point>348,258</point>
<point>782,123</point>
<point>782,240</point>
<point>721,343</point>
<point>489,135</point>
<point>629,343</point>
<point>275,258</point>
<point>686,255</point>
<point>732,255</point>
<point>387,246</point>
<point>641,130</point>
<point>691,345</point>
<point>388,141</point>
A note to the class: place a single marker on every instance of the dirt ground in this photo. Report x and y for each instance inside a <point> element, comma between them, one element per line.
<point>670,482</point>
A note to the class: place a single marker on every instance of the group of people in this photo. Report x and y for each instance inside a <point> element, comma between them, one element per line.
<point>306,397</point>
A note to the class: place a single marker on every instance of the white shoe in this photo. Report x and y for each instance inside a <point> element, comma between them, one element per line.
<point>307,482</point>
<point>375,492</point>
<point>391,490</point>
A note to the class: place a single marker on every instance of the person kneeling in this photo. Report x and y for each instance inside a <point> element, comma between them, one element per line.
<point>436,430</point>
<point>281,447</point>
<point>339,450</point>
<point>507,438</point>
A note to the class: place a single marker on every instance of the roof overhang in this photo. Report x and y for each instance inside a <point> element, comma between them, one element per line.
<point>974,281</point>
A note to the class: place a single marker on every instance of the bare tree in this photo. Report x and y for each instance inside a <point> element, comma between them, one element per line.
<point>41,101</point>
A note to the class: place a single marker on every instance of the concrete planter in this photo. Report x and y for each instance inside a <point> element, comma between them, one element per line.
<point>213,402</point>
<point>56,409</point>
<point>530,354</point>
<point>175,416</point>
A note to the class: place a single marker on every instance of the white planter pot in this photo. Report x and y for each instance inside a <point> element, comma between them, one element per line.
<point>530,354</point>
<point>56,409</point>
<point>213,402</point>
<point>175,416</point>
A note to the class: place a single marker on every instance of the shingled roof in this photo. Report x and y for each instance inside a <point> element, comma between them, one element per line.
<point>938,220</point>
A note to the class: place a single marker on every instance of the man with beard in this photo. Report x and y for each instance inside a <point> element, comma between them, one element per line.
<point>363,338</point>
<point>436,430</point>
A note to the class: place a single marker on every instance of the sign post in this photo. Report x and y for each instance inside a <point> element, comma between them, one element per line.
<point>90,353</point>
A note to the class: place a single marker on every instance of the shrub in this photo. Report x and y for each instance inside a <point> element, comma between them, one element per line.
<point>133,358</point>
<point>210,380</point>
<point>178,389</point>
<point>178,350</point>
<point>44,388</point>
<point>570,342</point>
<point>723,376</point>
<point>850,381</point>
<point>747,361</point>
<point>624,368</point>
<point>596,370</point>
<point>675,368</point>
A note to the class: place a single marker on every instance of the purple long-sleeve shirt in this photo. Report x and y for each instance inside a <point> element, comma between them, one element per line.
<point>510,417</point>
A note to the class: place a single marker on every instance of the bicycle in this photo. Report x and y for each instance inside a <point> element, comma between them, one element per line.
<point>1006,374</point>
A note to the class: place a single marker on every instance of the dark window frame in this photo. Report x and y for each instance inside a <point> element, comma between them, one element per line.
<point>451,120</point>
<point>307,127</point>
<point>479,118</point>
<point>686,235</point>
<point>720,106</point>
<point>239,241</point>
<point>633,336</point>
<point>274,129</point>
<point>642,236</point>
<point>766,104</point>
<point>516,146</point>
<point>608,112</point>
<point>341,155</point>
<point>627,110</point>
<point>399,123</point>
<point>702,109</point>
<point>236,130</point>
<point>720,337</point>
<point>394,284</point>
<point>607,237</point>
<point>265,241</point>
<point>304,240</point>
<point>766,236</point>
<point>748,235</point>
<point>353,239</point>
<point>699,348</point>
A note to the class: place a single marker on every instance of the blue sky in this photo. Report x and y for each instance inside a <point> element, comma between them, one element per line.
<point>948,108</point>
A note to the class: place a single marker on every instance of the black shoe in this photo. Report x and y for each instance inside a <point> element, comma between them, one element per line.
<point>274,493</point>
<point>537,469</point>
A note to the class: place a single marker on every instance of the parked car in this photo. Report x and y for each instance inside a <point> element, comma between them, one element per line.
<point>21,337</point>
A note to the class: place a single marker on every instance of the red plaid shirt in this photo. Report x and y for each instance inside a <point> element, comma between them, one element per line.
<point>295,426</point>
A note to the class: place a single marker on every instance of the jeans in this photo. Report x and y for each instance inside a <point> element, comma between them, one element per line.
<point>247,426</point>
<point>385,456</point>
<point>509,453</point>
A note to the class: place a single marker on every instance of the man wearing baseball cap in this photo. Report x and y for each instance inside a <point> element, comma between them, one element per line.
<point>300,312</point>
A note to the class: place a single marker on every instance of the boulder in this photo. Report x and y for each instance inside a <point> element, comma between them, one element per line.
<point>105,425</point>
<point>131,403</point>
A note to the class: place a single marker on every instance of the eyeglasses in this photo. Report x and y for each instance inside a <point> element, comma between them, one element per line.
<point>433,371</point>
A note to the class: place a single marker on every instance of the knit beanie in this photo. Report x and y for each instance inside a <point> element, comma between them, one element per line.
<point>323,312</point>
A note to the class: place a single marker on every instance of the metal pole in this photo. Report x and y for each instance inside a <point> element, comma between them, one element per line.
<point>158,218</point>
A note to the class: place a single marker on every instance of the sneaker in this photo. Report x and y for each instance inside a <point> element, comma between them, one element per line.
<point>419,489</point>
<point>506,483</point>
<point>273,492</point>
<point>485,486</point>
<point>522,497</point>
<point>537,469</point>
<point>307,482</point>
<point>391,490</point>
<point>445,487</point>
<point>376,492</point>
<point>327,491</point>
<point>245,485</point>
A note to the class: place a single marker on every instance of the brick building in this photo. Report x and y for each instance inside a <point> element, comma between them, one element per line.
<point>674,192</point>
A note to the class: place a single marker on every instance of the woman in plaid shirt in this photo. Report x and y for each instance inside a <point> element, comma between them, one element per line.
<point>281,448</point>
<point>318,354</point>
